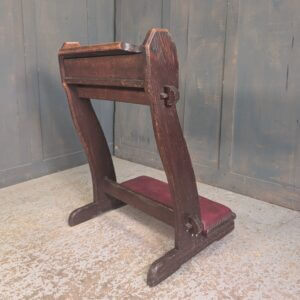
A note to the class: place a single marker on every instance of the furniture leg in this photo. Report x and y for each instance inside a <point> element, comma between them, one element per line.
<point>94,143</point>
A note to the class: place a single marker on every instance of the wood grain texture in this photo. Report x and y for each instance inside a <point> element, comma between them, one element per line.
<point>136,96</point>
<point>101,68</point>
<point>96,148</point>
<point>161,90</point>
<point>143,203</point>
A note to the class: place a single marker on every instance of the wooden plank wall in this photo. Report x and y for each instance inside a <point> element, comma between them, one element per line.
<point>239,106</point>
<point>36,132</point>
<point>239,84</point>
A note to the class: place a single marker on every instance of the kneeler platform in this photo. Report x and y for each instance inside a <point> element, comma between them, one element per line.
<point>145,75</point>
<point>212,214</point>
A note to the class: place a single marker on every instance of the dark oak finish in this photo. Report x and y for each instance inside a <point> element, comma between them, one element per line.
<point>73,49</point>
<point>137,96</point>
<point>97,151</point>
<point>147,205</point>
<point>147,75</point>
<point>103,67</point>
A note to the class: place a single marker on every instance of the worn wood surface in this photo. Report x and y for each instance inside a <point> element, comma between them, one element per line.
<point>143,203</point>
<point>117,48</point>
<point>36,133</point>
<point>157,59</point>
<point>132,75</point>
<point>239,94</point>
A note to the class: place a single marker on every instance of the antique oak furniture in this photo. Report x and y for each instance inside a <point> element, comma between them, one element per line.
<point>146,75</point>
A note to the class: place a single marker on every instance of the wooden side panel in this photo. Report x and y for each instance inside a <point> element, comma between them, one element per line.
<point>133,128</point>
<point>106,68</point>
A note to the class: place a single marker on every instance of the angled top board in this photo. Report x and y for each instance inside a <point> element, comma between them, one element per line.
<point>74,49</point>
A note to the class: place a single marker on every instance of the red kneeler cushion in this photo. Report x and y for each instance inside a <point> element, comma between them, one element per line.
<point>212,213</point>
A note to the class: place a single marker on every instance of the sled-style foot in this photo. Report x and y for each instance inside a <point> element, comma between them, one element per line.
<point>172,260</point>
<point>84,213</point>
<point>163,267</point>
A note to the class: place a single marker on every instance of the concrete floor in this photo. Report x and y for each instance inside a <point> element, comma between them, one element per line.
<point>108,257</point>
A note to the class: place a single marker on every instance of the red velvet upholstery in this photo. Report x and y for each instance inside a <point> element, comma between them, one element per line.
<point>212,213</point>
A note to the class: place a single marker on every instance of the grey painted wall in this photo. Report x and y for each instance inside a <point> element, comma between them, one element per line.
<point>239,85</point>
<point>36,132</point>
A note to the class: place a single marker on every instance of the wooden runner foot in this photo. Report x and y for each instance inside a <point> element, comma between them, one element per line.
<point>84,213</point>
<point>172,260</point>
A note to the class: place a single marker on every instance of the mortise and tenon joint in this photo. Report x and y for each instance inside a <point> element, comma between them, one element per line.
<point>170,95</point>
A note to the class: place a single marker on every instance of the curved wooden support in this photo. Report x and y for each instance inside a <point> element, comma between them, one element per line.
<point>94,143</point>
<point>161,75</point>
<point>162,85</point>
